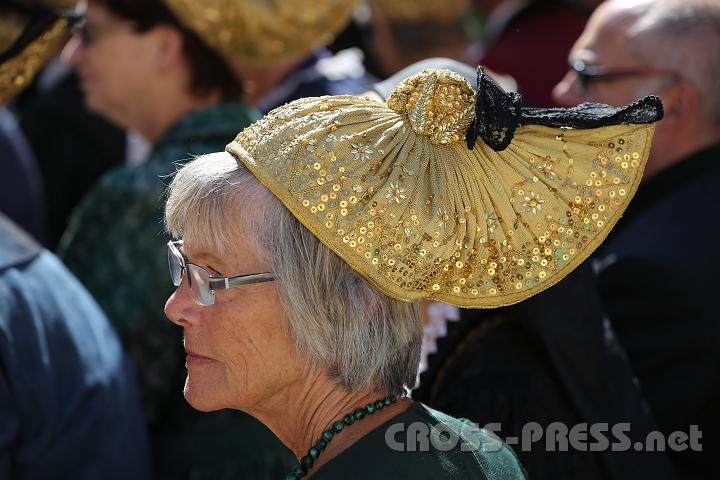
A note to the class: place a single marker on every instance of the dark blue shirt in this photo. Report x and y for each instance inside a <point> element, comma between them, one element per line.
<point>21,193</point>
<point>658,279</point>
<point>68,400</point>
<point>322,73</point>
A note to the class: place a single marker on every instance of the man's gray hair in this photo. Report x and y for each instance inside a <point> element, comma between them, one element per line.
<point>336,318</point>
<point>682,35</point>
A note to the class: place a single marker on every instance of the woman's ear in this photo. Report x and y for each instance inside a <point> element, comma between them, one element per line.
<point>169,46</point>
<point>681,103</point>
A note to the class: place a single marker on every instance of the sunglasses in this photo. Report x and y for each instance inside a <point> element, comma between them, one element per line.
<point>203,281</point>
<point>586,74</point>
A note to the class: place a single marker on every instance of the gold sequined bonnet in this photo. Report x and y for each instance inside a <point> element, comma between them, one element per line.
<point>394,189</point>
<point>18,70</point>
<point>264,32</point>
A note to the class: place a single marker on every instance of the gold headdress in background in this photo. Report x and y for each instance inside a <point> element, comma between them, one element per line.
<point>422,10</point>
<point>264,32</point>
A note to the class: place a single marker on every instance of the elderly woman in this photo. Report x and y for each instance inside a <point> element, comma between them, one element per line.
<point>305,249</point>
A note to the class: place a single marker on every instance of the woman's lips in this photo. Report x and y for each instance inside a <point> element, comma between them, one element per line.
<point>197,359</point>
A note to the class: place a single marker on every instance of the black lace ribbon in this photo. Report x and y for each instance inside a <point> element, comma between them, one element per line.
<point>498,113</point>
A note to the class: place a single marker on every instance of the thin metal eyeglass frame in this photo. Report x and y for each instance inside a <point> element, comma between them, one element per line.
<point>586,73</point>
<point>214,283</point>
<point>87,38</point>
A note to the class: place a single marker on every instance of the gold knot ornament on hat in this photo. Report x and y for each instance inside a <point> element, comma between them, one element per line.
<point>394,190</point>
<point>264,32</point>
<point>30,34</point>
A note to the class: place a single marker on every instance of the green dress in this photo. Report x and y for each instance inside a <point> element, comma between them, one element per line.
<point>115,244</point>
<point>422,443</point>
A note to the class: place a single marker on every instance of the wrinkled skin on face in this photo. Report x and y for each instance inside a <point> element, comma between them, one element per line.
<point>240,353</point>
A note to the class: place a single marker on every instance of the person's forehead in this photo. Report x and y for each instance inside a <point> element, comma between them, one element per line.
<point>196,251</point>
<point>603,42</point>
<point>238,256</point>
<point>97,12</point>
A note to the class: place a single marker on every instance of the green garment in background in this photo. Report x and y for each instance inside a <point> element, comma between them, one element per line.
<point>115,244</point>
<point>431,451</point>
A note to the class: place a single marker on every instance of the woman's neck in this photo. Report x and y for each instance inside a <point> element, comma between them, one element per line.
<point>300,415</point>
<point>260,81</point>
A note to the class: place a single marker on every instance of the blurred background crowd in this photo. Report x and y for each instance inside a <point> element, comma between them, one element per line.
<point>91,372</point>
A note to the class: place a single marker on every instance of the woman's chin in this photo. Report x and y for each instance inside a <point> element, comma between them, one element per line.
<point>201,399</point>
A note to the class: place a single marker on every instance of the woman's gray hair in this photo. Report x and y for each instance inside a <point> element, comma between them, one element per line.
<point>337,319</point>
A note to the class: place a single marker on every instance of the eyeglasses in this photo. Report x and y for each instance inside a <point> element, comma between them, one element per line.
<point>203,281</point>
<point>91,34</point>
<point>586,74</point>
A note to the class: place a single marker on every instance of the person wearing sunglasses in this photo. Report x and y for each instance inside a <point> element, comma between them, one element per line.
<point>654,278</point>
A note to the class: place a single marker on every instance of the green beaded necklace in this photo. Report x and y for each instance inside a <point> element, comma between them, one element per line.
<point>308,460</point>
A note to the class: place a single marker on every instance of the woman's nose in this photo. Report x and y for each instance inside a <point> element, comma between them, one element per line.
<point>74,51</point>
<point>181,308</point>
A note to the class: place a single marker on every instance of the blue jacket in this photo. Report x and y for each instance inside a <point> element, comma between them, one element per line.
<point>321,73</point>
<point>21,186</point>
<point>69,406</point>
